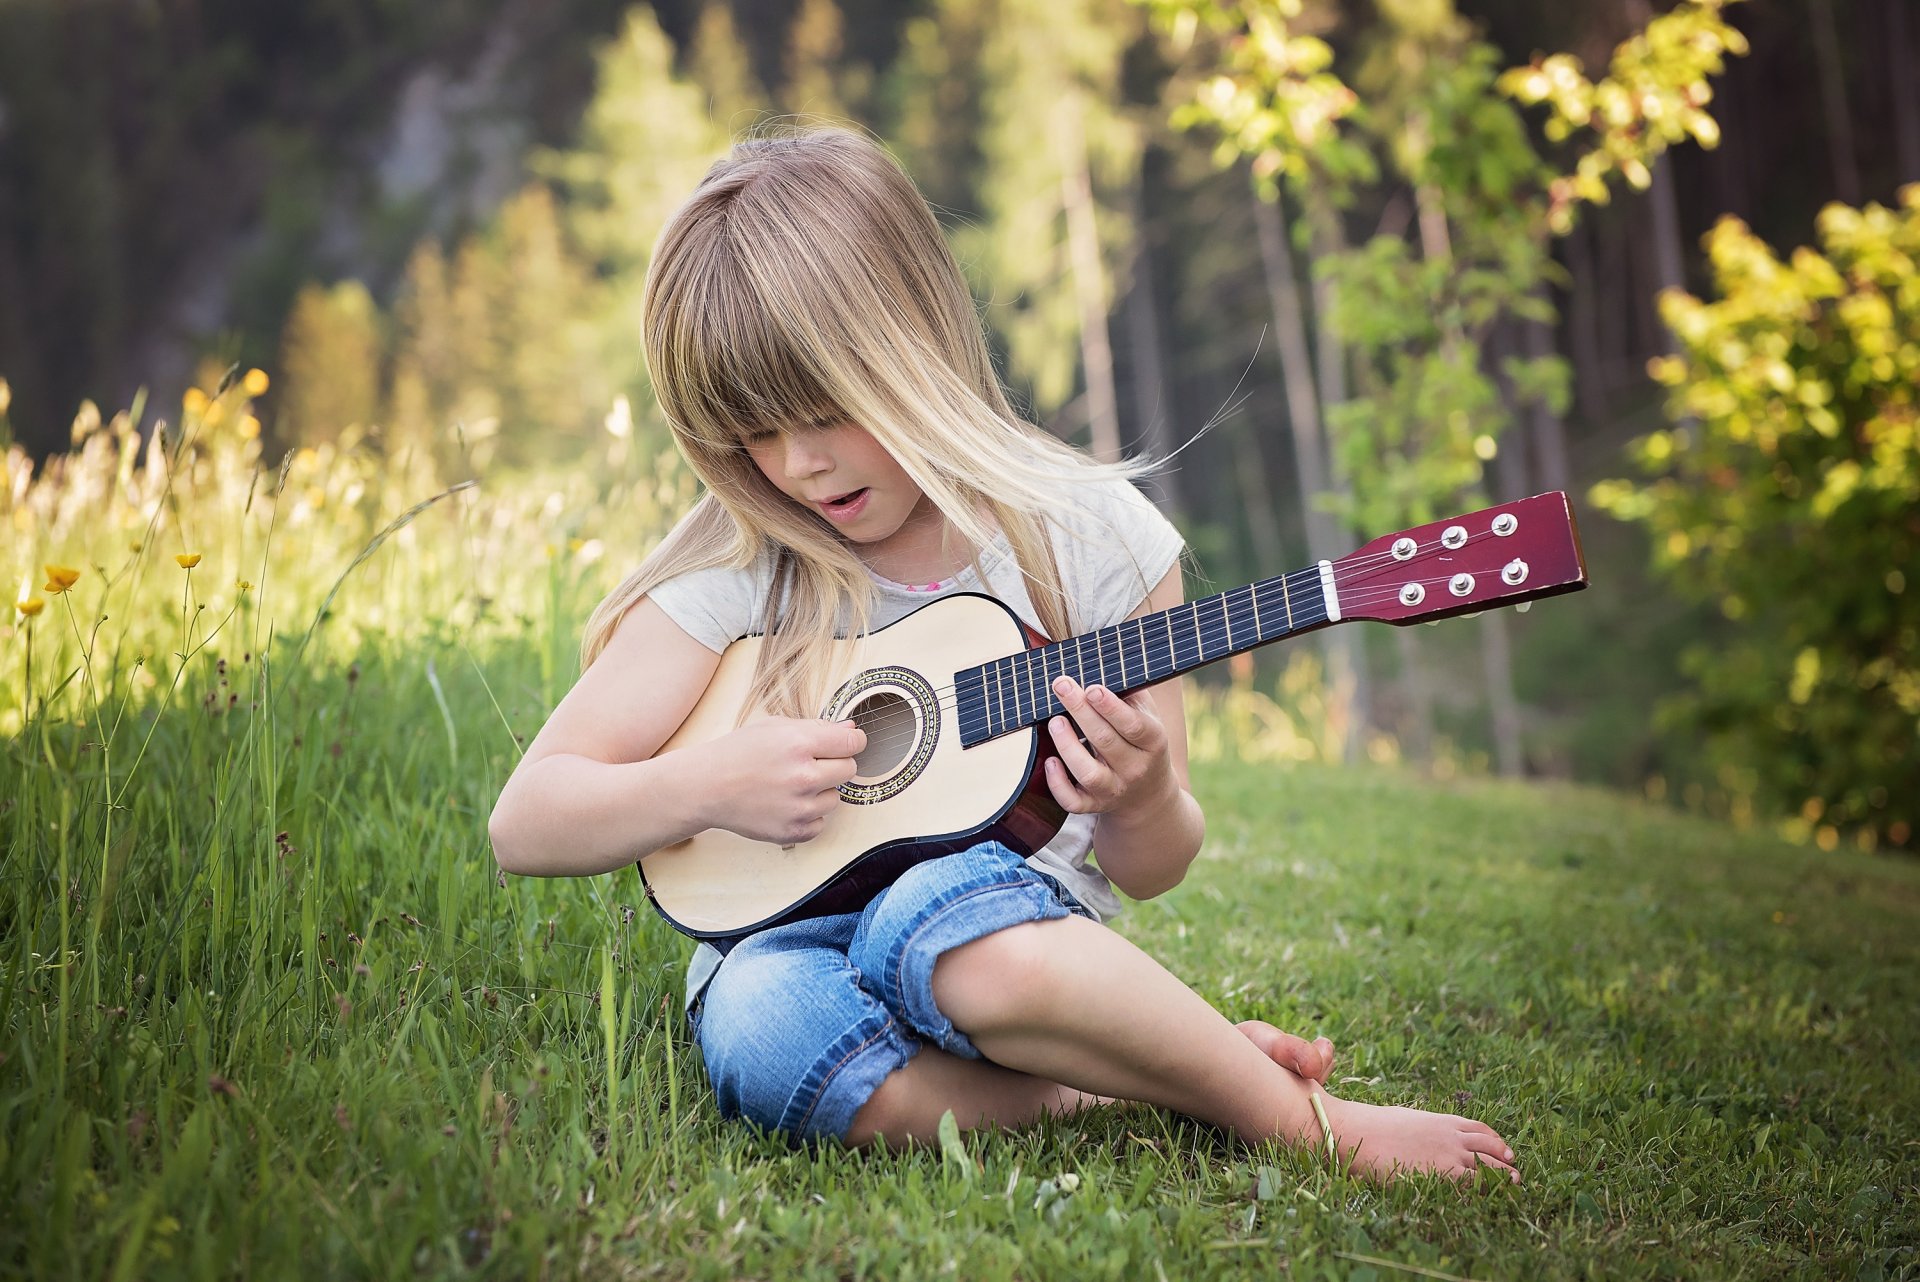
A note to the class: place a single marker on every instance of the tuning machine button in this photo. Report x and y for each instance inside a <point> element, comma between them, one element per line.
<point>1412,594</point>
<point>1506,523</point>
<point>1514,573</point>
<point>1404,548</point>
<point>1454,537</point>
<point>1460,584</point>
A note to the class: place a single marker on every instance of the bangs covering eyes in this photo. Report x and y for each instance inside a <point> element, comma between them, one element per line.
<point>724,368</point>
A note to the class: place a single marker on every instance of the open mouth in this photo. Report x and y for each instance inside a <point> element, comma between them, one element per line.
<point>845,507</point>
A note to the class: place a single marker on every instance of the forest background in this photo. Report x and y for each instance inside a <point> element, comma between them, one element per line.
<point>1379,273</point>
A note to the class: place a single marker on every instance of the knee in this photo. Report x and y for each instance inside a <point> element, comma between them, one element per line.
<point>1002,979</point>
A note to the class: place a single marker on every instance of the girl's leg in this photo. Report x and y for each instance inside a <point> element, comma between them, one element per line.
<point>1070,1001</point>
<point>909,1104</point>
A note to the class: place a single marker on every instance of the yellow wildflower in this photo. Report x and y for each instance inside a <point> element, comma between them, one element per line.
<point>255,382</point>
<point>244,585</point>
<point>249,427</point>
<point>27,603</point>
<point>187,560</point>
<point>195,401</point>
<point>60,578</point>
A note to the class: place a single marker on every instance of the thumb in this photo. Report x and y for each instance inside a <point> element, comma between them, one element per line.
<point>852,736</point>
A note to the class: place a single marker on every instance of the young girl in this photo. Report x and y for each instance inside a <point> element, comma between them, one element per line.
<point>817,353</point>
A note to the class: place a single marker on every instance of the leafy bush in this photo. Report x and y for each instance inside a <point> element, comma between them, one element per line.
<point>1789,492</point>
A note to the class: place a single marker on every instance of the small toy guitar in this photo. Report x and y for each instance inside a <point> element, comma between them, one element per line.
<point>954,699</point>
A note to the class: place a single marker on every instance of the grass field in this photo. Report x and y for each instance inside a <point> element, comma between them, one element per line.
<point>268,1010</point>
<point>352,1052</point>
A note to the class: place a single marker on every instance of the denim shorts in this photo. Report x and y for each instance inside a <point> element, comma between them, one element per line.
<point>802,1022</point>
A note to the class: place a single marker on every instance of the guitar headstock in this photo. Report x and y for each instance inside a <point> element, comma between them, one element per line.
<point>1500,555</point>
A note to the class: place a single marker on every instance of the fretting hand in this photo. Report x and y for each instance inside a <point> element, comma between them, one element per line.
<point>777,780</point>
<point>1125,763</point>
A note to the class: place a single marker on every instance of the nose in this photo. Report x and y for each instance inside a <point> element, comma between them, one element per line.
<point>803,457</point>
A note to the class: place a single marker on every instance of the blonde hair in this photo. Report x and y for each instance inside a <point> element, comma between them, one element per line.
<point>806,282</point>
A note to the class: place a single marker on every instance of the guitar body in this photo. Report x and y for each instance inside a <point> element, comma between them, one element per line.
<point>918,794</point>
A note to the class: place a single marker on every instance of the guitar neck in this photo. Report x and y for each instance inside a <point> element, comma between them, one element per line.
<point>1017,691</point>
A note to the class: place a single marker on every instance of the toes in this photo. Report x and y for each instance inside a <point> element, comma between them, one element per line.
<point>1487,1144</point>
<point>1480,1159</point>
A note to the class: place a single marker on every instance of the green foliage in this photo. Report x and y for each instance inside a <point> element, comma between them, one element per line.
<point>1654,95</point>
<point>331,357</point>
<point>1789,492</point>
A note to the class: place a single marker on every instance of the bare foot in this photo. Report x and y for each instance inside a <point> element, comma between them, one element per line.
<point>1382,1142</point>
<point>1312,1060</point>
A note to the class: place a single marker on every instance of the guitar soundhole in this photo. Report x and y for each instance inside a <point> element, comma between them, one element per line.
<point>900,712</point>
<point>889,722</point>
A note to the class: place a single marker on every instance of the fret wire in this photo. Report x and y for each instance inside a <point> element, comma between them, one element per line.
<point>1286,594</point>
<point>1253,593</point>
<point>1173,655</point>
<point>1120,648</point>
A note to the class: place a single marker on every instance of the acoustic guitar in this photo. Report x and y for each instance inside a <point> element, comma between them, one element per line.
<point>954,699</point>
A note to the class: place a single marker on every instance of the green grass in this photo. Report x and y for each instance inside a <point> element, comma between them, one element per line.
<point>352,1050</point>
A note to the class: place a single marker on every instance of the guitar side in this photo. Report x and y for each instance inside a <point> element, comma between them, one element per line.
<point>917,779</point>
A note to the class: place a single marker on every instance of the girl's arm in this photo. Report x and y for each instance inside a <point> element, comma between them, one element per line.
<point>1135,778</point>
<point>590,795</point>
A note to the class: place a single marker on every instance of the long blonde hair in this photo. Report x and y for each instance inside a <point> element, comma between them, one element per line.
<point>805,282</point>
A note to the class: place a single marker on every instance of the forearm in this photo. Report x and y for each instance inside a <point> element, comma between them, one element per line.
<point>1145,849</point>
<point>568,815</point>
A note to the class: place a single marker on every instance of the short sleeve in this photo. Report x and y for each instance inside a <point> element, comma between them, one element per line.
<point>715,606</point>
<point>1113,547</point>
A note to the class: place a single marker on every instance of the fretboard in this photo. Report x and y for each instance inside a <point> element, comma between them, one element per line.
<point>1017,691</point>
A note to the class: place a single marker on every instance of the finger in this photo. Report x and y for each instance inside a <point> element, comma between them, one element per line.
<point>834,771</point>
<point>1091,718</point>
<point>1060,783</point>
<point>1129,720</point>
<point>1088,770</point>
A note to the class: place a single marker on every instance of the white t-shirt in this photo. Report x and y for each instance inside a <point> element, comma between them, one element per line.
<point>1111,546</point>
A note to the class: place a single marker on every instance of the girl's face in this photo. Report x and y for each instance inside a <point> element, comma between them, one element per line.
<point>845,476</point>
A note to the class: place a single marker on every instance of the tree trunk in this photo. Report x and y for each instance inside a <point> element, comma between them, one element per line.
<point>1147,363</point>
<point>1089,288</point>
<point>1583,326</point>
<point>1496,653</point>
<point>1545,425</point>
<point>1906,101</point>
<point>1419,692</point>
<point>1296,371</point>
<point>1347,658</point>
<point>1833,101</point>
<point>1256,498</point>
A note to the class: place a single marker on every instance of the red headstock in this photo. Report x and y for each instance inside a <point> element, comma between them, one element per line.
<point>1500,555</point>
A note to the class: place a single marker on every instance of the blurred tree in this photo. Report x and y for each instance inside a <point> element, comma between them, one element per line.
<point>1058,158</point>
<point>645,141</point>
<point>818,80</point>
<point>716,61</point>
<point>1412,327</point>
<point>1792,497</point>
<point>330,355</point>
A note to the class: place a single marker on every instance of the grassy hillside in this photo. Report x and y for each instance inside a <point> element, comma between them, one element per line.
<point>352,1052</point>
<point>267,1009</point>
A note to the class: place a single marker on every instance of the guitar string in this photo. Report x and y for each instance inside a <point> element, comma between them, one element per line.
<point>1356,568</point>
<point>902,718</point>
<point>1205,635</point>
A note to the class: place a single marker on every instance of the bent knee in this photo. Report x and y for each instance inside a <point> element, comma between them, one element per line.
<point>1001,978</point>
